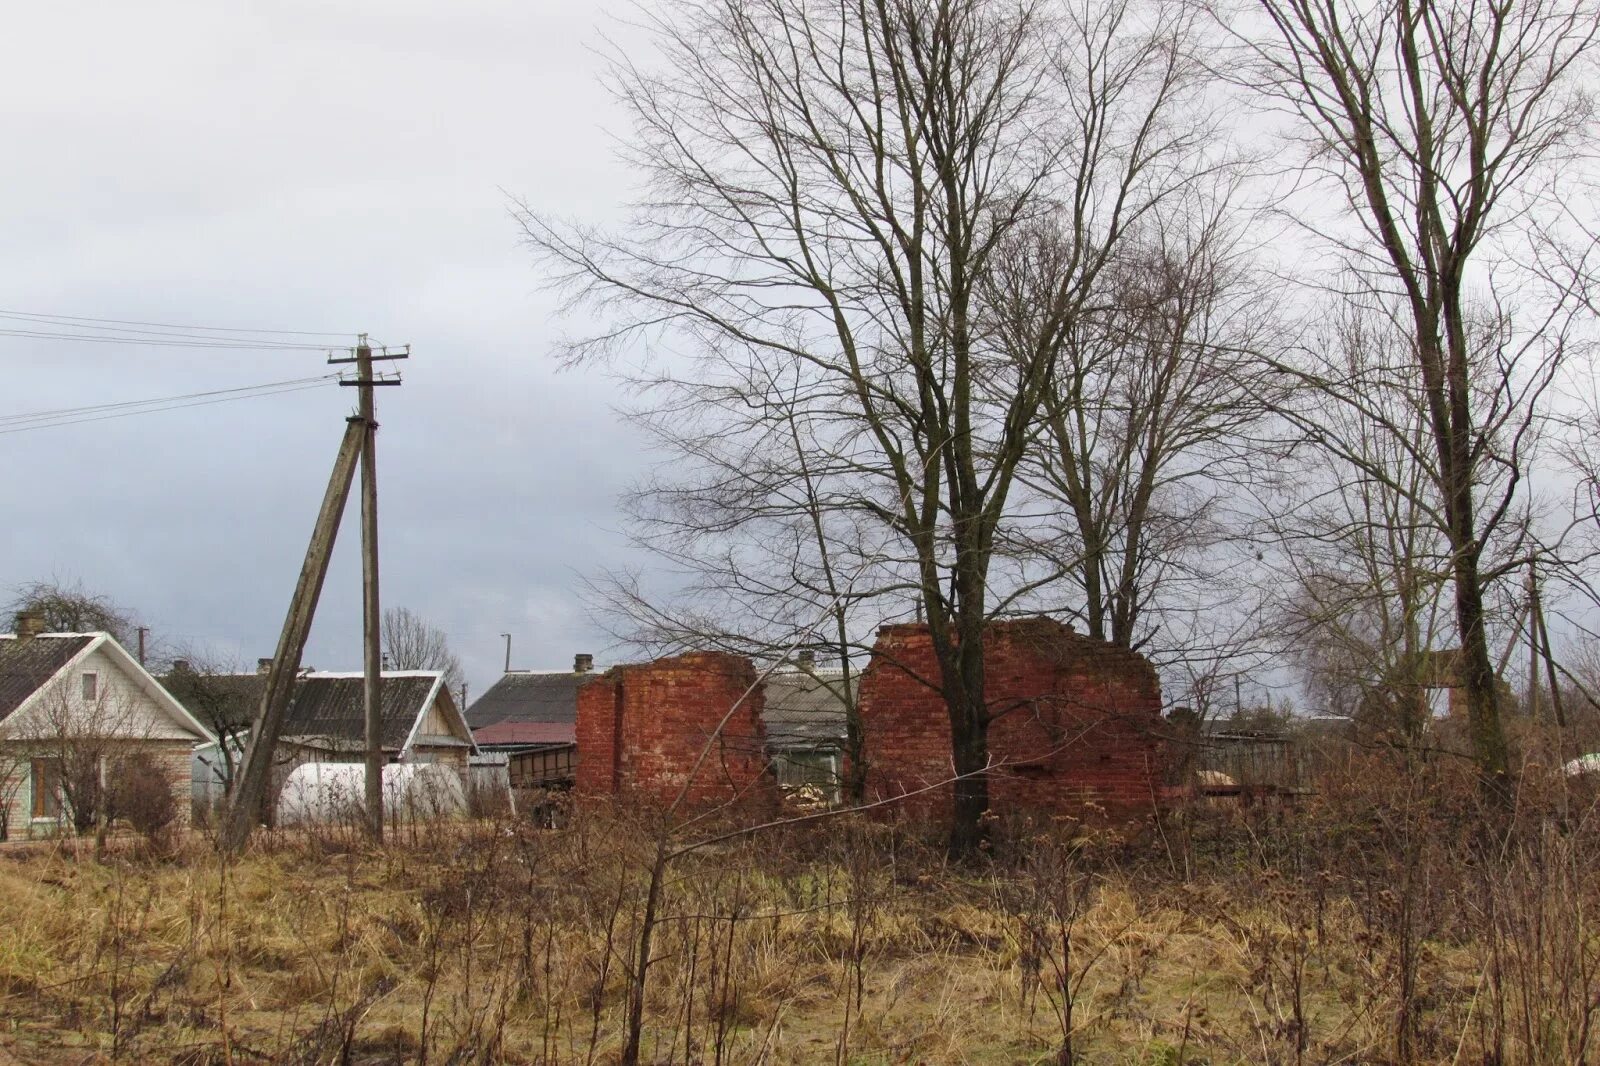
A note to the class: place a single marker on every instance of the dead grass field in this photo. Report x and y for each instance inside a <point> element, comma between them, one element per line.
<point>1324,937</point>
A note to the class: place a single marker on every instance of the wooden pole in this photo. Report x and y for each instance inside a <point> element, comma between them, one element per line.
<point>372,663</point>
<point>244,807</point>
<point>1533,643</point>
<point>1549,658</point>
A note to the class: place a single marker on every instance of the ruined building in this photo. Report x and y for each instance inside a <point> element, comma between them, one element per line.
<point>1076,724</point>
<point>1076,727</point>
<point>641,729</point>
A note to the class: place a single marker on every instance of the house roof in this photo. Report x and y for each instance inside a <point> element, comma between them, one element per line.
<point>528,707</point>
<point>326,709</point>
<point>516,734</point>
<point>331,706</point>
<point>803,709</point>
<point>25,665</point>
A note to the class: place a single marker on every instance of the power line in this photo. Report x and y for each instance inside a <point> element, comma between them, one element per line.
<point>195,342</point>
<point>90,408</point>
<point>125,331</point>
<point>173,325</point>
<point>22,423</point>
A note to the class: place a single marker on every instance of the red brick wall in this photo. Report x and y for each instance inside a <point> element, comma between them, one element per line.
<point>640,730</point>
<point>1076,722</point>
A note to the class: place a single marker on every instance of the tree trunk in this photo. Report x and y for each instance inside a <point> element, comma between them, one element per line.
<point>963,681</point>
<point>1477,679</point>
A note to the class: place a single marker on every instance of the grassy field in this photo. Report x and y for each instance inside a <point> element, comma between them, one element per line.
<point>1349,932</point>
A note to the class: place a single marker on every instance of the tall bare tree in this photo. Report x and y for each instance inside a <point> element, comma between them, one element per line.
<point>759,543</point>
<point>830,182</point>
<point>410,642</point>
<point>1443,125</point>
<point>1152,426</point>
<point>1367,558</point>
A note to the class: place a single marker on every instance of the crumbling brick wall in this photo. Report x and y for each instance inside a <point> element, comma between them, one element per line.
<point>641,729</point>
<point>1077,726</point>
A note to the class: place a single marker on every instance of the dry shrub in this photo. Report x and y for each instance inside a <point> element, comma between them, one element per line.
<point>141,794</point>
<point>1390,917</point>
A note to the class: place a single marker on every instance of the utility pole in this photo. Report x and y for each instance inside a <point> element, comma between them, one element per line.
<point>142,631</point>
<point>372,663</point>
<point>255,772</point>
<point>1533,643</point>
<point>1549,656</point>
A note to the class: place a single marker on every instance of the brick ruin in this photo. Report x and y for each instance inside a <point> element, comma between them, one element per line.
<point>1077,727</point>
<point>641,728</point>
<point>1077,722</point>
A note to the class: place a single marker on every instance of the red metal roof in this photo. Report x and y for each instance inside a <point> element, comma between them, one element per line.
<point>525,733</point>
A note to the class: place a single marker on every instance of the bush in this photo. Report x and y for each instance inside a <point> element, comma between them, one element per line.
<point>141,794</point>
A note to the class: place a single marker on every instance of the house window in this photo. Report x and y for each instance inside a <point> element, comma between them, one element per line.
<point>46,788</point>
<point>91,685</point>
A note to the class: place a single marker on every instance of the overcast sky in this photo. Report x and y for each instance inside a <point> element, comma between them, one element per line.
<point>318,166</point>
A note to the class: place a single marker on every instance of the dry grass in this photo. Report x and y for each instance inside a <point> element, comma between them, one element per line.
<point>1268,940</point>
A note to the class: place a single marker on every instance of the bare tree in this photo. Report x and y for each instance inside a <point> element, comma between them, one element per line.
<point>1443,125</point>
<point>78,743</point>
<point>411,643</point>
<point>764,551</point>
<point>1152,429</point>
<point>1369,558</point>
<point>224,699</point>
<point>69,607</point>
<point>14,769</point>
<point>831,182</point>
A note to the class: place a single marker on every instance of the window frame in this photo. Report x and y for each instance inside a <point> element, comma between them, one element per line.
<point>45,802</point>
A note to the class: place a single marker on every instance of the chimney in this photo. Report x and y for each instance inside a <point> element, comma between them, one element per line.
<point>29,624</point>
<point>263,666</point>
<point>180,666</point>
<point>582,663</point>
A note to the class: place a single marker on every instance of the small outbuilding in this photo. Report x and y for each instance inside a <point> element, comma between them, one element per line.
<point>530,717</point>
<point>325,722</point>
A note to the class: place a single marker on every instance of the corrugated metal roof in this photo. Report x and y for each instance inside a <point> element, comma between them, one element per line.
<point>528,696</point>
<point>332,707</point>
<point>805,710</point>
<point>27,664</point>
<point>326,709</point>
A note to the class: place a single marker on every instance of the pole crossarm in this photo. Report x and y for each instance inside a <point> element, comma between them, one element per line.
<point>375,355</point>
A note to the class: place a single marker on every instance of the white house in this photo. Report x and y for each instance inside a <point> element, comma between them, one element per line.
<point>75,707</point>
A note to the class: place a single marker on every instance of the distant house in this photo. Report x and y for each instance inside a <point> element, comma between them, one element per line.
<point>531,717</point>
<point>325,721</point>
<point>804,718</point>
<point>74,707</point>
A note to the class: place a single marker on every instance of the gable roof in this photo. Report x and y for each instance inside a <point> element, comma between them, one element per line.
<point>28,664</point>
<point>327,709</point>
<point>802,709</point>
<point>528,707</point>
